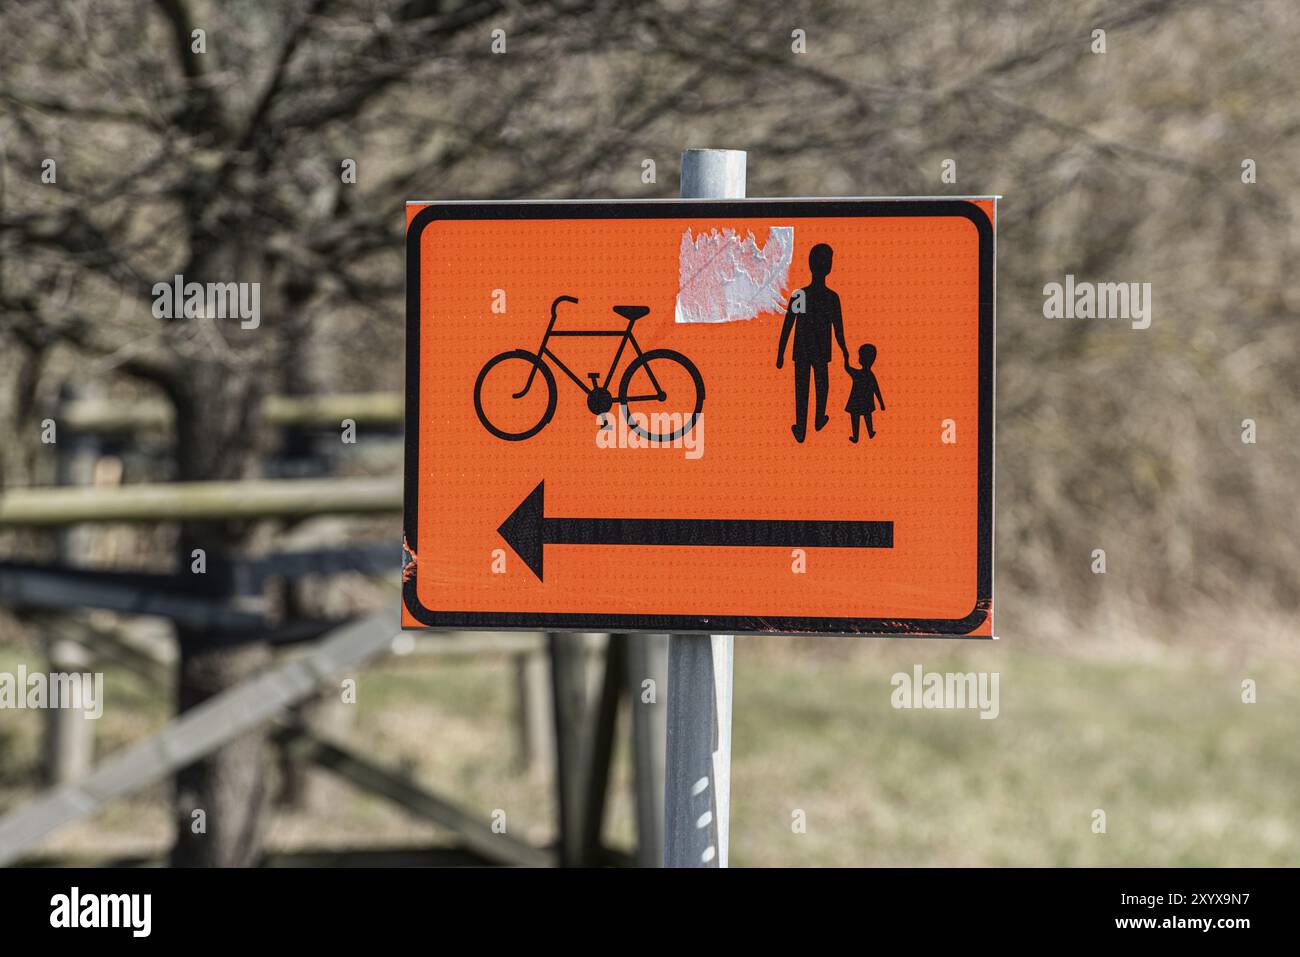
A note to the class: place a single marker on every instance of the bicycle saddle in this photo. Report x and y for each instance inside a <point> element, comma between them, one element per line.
<point>632,313</point>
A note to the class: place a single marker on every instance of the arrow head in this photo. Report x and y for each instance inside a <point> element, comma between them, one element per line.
<point>523,530</point>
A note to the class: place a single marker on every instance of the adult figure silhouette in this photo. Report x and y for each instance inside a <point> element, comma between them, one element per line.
<point>812,325</point>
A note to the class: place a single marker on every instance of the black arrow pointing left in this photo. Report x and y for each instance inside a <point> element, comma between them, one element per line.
<point>528,530</point>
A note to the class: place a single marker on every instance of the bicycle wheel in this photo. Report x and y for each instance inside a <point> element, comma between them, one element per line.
<point>506,382</point>
<point>661,395</point>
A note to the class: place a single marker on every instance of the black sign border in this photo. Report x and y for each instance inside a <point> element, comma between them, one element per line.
<point>706,624</point>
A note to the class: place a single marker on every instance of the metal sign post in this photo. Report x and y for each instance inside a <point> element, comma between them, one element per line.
<point>697,796</point>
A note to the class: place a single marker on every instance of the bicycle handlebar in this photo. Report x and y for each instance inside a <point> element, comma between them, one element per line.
<point>560,299</point>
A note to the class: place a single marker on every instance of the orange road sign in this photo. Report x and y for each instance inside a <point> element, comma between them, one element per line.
<point>746,416</point>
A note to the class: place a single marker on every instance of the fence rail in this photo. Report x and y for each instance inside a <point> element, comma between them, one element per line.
<point>199,501</point>
<point>313,411</point>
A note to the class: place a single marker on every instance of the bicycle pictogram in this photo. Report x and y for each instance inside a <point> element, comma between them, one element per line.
<point>644,386</point>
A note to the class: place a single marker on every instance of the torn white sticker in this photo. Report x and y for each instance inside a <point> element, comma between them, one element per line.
<point>726,278</point>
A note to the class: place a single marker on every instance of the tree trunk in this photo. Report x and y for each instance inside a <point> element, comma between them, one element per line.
<point>217,437</point>
<point>231,786</point>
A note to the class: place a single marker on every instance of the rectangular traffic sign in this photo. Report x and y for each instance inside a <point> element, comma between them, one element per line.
<point>746,416</point>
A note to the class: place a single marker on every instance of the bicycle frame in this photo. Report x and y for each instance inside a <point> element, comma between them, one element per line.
<point>626,337</point>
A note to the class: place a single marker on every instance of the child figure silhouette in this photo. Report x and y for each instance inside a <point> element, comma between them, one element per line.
<point>865,392</point>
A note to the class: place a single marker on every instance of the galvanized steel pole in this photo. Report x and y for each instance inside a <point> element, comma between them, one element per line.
<point>697,786</point>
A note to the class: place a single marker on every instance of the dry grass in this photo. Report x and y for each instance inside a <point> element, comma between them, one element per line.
<point>1159,739</point>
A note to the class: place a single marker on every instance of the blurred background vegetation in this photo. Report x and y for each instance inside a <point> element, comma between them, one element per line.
<point>1120,691</point>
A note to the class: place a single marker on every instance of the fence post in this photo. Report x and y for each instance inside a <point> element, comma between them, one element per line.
<point>69,735</point>
<point>697,794</point>
<point>568,651</point>
<point>648,661</point>
<point>535,729</point>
